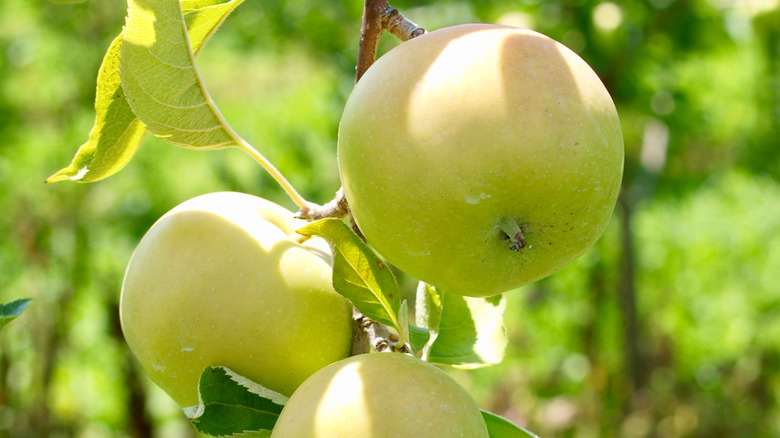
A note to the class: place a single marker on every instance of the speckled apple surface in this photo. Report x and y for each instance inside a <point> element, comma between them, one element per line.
<point>452,132</point>
<point>380,395</point>
<point>221,280</point>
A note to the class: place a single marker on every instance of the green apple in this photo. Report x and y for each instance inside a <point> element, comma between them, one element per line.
<point>222,280</point>
<point>380,395</point>
<point>479,157</point>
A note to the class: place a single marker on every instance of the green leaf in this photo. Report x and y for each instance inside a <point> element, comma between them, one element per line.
<point>428,314</point>
<point>468,333</point>
<point>500,427</point>
<point>160,79</point>
<point>403,322</point>
<point>203,17</point>
<point>190,5</point>
<point>232,405</point>
<point>117,133</point>
<point>358,274</point>
<point>9,311</point>
<point>418,337</point>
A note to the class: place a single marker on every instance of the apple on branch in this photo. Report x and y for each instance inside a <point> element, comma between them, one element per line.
<point>222,280</point>
<point>380,395</point>
<point>480,157</point>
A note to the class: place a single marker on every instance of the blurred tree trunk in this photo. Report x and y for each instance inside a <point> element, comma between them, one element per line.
<point>600,287</point>
<point>32,234</point>
<point>769,33</point>
<point>57,340</point>
<point>4,397</point>
<point>626,291</point>
<point>140,424</point>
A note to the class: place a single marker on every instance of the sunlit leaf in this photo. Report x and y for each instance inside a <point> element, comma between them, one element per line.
<point>203,18</point>
<point>500,427</point>
<point>9,311</point>
<point>427,312</point>
<point>117,133</point>
<point>358,274</point>
<point>468,333</point>
<point>416,337</point>
<point>232,405</point>
<point>403,322</point>
<point>160,79</point>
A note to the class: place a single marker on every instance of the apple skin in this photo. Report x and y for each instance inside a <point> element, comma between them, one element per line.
<point>451,133</point>
<point>380,395</point>
<point>220,280</point>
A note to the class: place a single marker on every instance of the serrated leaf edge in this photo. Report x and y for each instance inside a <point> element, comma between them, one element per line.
<point>193,412</point>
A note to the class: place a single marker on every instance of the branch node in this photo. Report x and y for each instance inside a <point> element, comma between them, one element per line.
<point>338,207</point>
<point>379,16</point>
<point>369,333</point>
<point>400,26</point>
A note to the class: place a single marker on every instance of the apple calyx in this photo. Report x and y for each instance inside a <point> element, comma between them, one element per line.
<point>513,232</point>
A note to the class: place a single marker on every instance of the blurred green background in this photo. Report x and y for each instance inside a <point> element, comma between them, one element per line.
<point>669,327</point>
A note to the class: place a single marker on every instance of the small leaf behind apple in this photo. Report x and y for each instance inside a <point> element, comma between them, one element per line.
<point>427,310</point>
<point>9,311</point>
<point>500,427</point>
<point>418,337</point>
<point>467,332</point>
<point>358,273</point>
<point>232,405</point>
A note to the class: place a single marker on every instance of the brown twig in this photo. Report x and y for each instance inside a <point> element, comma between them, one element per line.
<point>369,334</point>
<point>379,16</point>
<point>401,27</point>
<point>370,31</point>
<point>337,207</point>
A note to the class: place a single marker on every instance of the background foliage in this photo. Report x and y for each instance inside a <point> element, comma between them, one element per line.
<point>670,327</point>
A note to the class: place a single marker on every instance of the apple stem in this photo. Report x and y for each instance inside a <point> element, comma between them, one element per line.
<point>514,233</point>
<point>378,16</point>
<point>296,197</point>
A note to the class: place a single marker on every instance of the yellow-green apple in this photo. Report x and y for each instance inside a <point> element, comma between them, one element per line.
<point>380,395</point>
<point>223,280</point>
<point>480,157</point>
